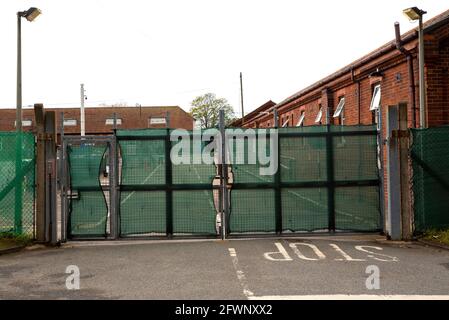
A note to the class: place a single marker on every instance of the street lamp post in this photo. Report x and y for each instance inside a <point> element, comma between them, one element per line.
<point>414,14</point>
<point>30,15</point>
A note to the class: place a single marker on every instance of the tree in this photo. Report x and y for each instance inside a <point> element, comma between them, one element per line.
<point>206,109</point>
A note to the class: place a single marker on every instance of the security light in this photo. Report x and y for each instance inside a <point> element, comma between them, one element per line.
<point>413,13</point>
<point>31,14</point>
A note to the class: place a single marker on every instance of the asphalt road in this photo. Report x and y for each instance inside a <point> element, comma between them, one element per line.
<point>237,269</point>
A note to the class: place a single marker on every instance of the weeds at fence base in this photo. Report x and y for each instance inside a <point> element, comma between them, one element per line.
<point>10,239</point>
<point>439,236</point>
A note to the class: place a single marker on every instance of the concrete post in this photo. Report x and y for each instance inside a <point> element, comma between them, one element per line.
<point>399,215</point>
<point>393,217</point>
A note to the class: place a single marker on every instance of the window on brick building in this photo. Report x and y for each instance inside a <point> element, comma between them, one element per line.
<point>302,116</point>
<point>25,123</point>
<point>339,111</point>
<point>375,105</point>
<point>375,100</point>
<point>156,120</point>
<point>319,116</point>
<point>110,121</point>
<point>69,122</point>
<point>285,122</point>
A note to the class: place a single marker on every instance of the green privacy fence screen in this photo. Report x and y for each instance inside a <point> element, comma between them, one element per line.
<point>17,183</point>
<point>430,160</point>
<point>158,197</point>
<point>88,210</point>
<point>327,180</point>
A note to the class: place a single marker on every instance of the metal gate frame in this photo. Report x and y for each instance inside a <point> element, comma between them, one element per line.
<point>115,185</point>
<point>65,184</point>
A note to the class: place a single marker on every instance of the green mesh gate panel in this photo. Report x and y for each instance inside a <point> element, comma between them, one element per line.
<point>355,159</point>
<point>304,209</point>
<point>252,211</point>
<point>430,159</point>
<point>88,209</point>
<point>17,186</point>
<point>327,180</point>
<point>143,212</point>
<point>194,212</point>
<point>357,209</point>
<point>162,198</point>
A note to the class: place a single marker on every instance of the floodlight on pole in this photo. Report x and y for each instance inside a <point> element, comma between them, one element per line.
<point>414,14</point>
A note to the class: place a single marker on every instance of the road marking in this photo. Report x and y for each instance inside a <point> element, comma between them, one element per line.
<point>315,249</point>
<point>240,274</point>
<point>352,297</point>
<point>344,254</point>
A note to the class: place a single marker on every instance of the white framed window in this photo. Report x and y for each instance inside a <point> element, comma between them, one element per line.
<point>301,119</point>
<point>375,100</point>
<point>69,122</point>
<point>285,124</point>
<point>157,120</point>
<point>319,116</point>
<point>340,107</point>
<point>110,121</point>
<point>25,123</point>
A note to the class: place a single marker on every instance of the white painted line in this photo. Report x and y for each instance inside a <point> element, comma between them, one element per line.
<point>240,274</point>
<point>352,297</point>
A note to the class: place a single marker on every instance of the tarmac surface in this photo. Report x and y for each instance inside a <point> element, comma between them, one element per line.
<point>296,268</point>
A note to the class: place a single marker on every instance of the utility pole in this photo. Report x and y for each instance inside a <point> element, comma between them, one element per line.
<point>82,118</point>
<point>241,98</point>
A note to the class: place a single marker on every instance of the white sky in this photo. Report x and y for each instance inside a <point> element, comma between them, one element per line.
<point>167,52</point>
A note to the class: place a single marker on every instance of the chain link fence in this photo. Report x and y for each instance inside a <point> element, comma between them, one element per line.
<point>17,183</point>
<point>430,163</point>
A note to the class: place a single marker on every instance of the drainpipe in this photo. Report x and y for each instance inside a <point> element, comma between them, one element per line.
<point>411,75</point>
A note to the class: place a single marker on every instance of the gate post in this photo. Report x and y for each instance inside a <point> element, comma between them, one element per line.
<point>113,187</point>
<point>398,218</point>
<point>41,228</point>
<point>50,175</point>
<point>224,175</point>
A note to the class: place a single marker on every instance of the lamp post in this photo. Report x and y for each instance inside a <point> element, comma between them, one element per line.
<point>30,15</point>
<point>414,14</point>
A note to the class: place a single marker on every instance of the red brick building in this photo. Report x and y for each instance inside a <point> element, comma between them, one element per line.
<point>370,84</point>
<point>100,120</point>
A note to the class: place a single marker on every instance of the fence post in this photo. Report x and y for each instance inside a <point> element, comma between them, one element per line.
<point>224,175</point>
<point>330,178</point>
<point>169,183</point>
<point>40,174</point>
<point>50,161</point>
<point>393,219</point>
<point>62,180</point>
<point>404,141</point>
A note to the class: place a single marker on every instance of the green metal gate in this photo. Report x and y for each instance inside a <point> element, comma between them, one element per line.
<point>327,181</point>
